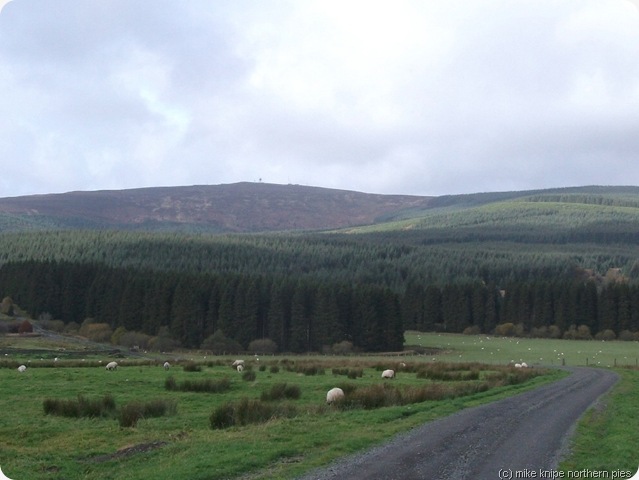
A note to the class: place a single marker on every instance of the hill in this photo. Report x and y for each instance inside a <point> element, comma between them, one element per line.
<point>240,207</point>
<point>260,207</point>
<point>328,266</point>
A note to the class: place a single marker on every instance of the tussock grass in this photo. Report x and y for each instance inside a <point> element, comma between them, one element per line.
<point>247,411</point>
<point>207,385</point>
<point>132,412</point>
<point>281,391</point>
<point>80,406</point>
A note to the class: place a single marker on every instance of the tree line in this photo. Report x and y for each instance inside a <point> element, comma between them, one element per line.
<point>303,314</point>
<point>298,314</point>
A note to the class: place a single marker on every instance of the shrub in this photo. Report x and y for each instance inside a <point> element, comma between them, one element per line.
<point>627,336</point>
<point>342,348</point>
<point>249,375</point>
<point>219,344</point>
<point>505,329</point>
<point>605,335</point>
<point>262,346</point>
<point>473,330</point>
<point>274,369</point>
<point>25,327</point>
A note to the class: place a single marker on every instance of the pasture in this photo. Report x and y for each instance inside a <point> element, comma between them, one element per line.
<point>534,351</point>
<point>183,444</point>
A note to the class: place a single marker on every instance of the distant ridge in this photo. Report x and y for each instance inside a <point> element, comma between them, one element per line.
<point>238,207</point>
<point>250,207</point>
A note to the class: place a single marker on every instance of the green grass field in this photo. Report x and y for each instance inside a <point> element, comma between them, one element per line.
<point>38,446</point>
<point>183,445</point>
<point>533,351</point>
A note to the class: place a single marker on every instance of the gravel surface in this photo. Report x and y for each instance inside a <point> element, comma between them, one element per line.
<point>527,431</point>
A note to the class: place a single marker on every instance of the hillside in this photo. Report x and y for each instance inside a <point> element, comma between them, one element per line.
<point>329,265</point>
<point>259,207</point>
<point>240,207</point>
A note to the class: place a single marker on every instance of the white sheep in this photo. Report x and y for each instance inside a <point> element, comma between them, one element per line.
<point>388,374</point>
<point>112,366</point>
<point>518,365</point>
<point>524,365</point>
<point>237,362</point>
<point>22,368</point>
<point>240,367</point>
<point>334,395</point>
<point>167,365</point>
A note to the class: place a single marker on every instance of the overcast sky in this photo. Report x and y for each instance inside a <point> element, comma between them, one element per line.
<point>425,97</point>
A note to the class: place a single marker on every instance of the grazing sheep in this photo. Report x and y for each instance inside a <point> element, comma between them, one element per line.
<point>334,394</point>
<point>112,366</point>
<point>388,374</point>
<point>517,365</point>
<point>524,365</point>
<point>22,368</point>
<point>240,367</point>
<point>167,365</point>
<point>237,362</point>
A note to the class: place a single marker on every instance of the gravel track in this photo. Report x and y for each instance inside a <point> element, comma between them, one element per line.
<point>527,431</point>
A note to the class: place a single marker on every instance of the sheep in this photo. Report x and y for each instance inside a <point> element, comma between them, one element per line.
<point>524,365</point>
<point>167,365</point>
<point>22,368</point>
<point>388,374</point>
<point>334,395</point>
<point>240,367</point>
<point>518,365</point>
<point>237,362</point>
<point>112,366</point>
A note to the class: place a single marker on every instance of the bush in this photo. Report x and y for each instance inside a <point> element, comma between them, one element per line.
<point>274,369</point>
<point>262,346</point>
<point>342,348</point>
<point>249,375</point>
<point>473,330</point>
<point>505,329</point>
<point>219,344</point>
<point>627,336</point>
<point>25,327</point>
<point>605,335</point>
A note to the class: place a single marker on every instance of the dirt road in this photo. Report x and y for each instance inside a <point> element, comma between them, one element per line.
<point>527,431</point>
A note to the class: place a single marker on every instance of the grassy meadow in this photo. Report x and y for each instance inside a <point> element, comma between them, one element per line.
<point>533,351</point>
<point>182,443</point>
